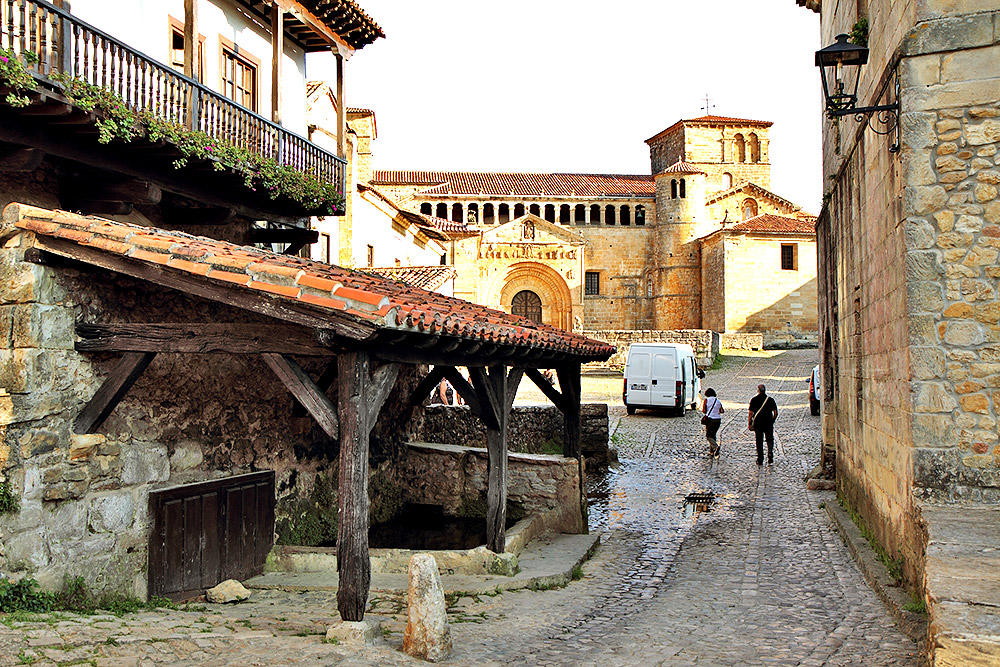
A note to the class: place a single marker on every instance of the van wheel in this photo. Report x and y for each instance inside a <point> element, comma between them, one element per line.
<point>629,410</point>
<point>679,410</point>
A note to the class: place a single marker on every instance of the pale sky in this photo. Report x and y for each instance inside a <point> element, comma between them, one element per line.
<point>578,86</point>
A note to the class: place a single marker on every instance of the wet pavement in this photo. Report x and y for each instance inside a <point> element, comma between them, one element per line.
<point>752,574</point>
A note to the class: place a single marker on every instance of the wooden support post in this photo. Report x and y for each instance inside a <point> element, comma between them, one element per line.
<point>426,385</point>
<point>360,397</point>
<point>191,39</point>
<point>569,382</point>
<point>341,107</point>
<point>121,379</point>
<point>277,55</point>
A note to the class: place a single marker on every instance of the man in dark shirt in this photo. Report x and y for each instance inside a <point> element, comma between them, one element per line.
<point>763,412</point>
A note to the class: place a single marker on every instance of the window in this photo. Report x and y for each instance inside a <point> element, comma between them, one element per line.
<point>177,49</point>
<point>789,256</point>
<point>426,208</point>
<point>324,246</point>
<point>683,189</point>
<point>527,304</point>
<point>749,208</point>
<point>673,188</point>
<point>741,148</point>
<point>592,282</point>
<point>640,215</point>
<point>239,75</point>
<point>371,255</point>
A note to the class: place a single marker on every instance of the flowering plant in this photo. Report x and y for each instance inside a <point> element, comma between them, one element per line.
<point>15,75</point>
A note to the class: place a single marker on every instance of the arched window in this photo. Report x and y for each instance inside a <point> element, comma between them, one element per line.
<point>534,209</point>
<point>673,188</point>
<point>609,215</point>
<point>456,213</point>
<point>442,211</point>
<point>518,210</point>
<point>595,214</point>
<point>741,148</point>
<point>640,215</point>
<point>580,214</point>
<point>727,180</point>
<point>488,215</point>
<point>625,215</point>
<point>683,189</point>
<point>472,217</point>
<point>550,212</point>
<point>564,213</point>
<point>503,213</point>
<point>527,304</point>
<point>426,208</point>
<point>749,208</point>
<point>753,143</point>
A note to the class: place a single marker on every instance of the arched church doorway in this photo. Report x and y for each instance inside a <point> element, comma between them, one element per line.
<point>527,304</point>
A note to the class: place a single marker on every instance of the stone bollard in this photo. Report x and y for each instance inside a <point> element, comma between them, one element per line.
<point>427,635</point>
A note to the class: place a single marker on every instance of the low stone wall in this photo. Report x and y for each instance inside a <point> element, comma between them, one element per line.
<point>704,341</point>
<point>533,429</point>
<point>781,340</point>
<point>455,478</point>
<point>741,341</point>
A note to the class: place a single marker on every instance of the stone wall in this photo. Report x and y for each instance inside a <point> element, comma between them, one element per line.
<point>454,477</point>
<point>704,342</point>
<point>83,498</point>
<point>534,429</point>
<point>741,341</point>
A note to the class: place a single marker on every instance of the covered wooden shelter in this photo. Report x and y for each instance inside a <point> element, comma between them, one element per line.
<point>365,325</point>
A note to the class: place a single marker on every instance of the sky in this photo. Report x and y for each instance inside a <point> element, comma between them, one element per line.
<point>579,85</point>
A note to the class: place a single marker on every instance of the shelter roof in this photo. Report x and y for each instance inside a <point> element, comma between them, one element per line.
<point>347,308</point>
<point>424,277</point>
<point>774,224</point>
<point>467,183</point>
<point>711,120</point>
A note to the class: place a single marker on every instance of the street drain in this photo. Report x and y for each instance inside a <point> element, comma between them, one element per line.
<point>700,501</point>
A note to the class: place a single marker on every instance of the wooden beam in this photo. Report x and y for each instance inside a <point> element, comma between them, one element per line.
<point>277,55</point>
<point>382,382</point>
<point>341,108</point>
<point>325,382</point>
<point>569,381</point>
<point>313,22</point>
<point>545,386</point>
<point>327,322</point>
<point>117,384</point>
<point>496,464</point>
<point>352,496</point>
<point>191,39</point>
<point>199,338</point>
<point>473,397</point>
<point>305,391</point>
<point>513,382</point>
<point>424,388</point>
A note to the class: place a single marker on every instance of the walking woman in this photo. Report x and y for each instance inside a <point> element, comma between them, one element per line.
<point>712,419</point>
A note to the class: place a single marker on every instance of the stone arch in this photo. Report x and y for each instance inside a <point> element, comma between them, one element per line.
<point>518,210</point>
<point>753,147</point>
<point>673,188</point>
<point>442,210</point>
<point>456,213</point>
<point>609,214</point>
<point>750,208</point>
<point>741,148</point>
<point>426,208</point>
<point>595,214</point>
<point>727,180</point>
<point>535,209</point>
<point>545,282</point>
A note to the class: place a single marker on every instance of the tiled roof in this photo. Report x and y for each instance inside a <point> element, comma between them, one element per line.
<point>424,222</point>
<point>323,290</point>
<point>424,277</point>
<point>445,225</point>
<point>346,19</point>
<point>774,224</point>
<point>522,184</point>
<point>682,167</point>
<point>712,120</point>
<point>752,187</point>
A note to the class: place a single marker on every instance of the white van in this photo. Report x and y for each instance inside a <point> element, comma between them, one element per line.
<point>661,375</point>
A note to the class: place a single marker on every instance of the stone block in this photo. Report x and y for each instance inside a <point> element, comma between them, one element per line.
<point>949,34</point>
<point>368,631</point>
<point>144,462</point>
<point>919,233</point>
<point>932,397</point>
<point>985,192</point>
<point>918,130</point>
<point>111,513</point>
<point>27,550</point>
<point>40,325</point>
<point>187,456</point>
<point>964,334</point>
<point>427,634</point>
<point>984,132</point>
<point>924,199</point>
<point>229,591</point>
<point>83,445</point>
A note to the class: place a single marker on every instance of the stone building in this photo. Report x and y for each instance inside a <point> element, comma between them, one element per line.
<point>621,252</point>
<point>910,303</point>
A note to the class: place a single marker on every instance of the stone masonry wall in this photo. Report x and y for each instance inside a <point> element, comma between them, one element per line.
<point>533,429</point>
<point>704,342</point>
<point>741,341</point>
<point>455,477</point>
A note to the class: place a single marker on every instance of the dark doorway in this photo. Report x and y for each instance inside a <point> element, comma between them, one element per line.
<point>527,304</point>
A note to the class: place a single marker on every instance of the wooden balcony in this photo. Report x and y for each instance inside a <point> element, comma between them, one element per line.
<point>67,47</point>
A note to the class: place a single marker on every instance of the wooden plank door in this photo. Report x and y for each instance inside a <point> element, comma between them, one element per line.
<point>207,532</point>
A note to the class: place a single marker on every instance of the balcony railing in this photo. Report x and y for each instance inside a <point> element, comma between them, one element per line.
<point>71,47</point>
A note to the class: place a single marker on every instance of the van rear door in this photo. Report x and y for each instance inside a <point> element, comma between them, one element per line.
<point>637,379</point>
<point>663,384</point>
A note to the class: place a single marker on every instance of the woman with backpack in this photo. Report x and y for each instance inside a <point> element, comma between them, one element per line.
<point>712,419</point>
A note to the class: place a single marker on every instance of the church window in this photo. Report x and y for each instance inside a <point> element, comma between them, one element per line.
<point>609,215</point>
<point>749,208</point>
<point>426,208</point>
<point>727,180</point>
<point>442,211</point>
<point>640,215</point>
<point>472,216</point>
<point>527,304</point>
<point>488,214</point>
<point>673,188</point>
<point>580,214</point>
<point>518,210</point>
<point>503,213</point>
<point>625,215</point>
<point>456,212</point>
<point>741,148</point>
<point>595,214</point>
<point>753,144</point>
<point>789,256</point>
<point>592,283</point>
<point>683,189</point>
<point>550,212</point>
<point>535,209</point>
<point>564,213</point>
<point>649,287</point>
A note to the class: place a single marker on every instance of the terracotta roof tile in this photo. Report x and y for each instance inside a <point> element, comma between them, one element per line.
<point>682,167</point>
<point>373,300</point>
<point>522,184</point>
<point>424,277</point>
<point>769,223</point>
<point>711,120</point>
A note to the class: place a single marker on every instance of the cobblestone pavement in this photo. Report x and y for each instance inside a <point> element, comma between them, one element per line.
<point>759,578</point>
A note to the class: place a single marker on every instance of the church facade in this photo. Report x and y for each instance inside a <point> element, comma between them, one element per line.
<point>700,242</point>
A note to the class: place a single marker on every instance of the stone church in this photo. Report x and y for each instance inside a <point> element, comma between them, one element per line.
<point>700,242</point>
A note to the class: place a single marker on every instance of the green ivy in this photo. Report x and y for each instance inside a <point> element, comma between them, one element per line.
<point>8,501</point>
<point>859,33</point>
<point>116,121</point>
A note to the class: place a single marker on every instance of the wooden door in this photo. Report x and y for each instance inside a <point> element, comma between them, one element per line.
<point>208,532</point>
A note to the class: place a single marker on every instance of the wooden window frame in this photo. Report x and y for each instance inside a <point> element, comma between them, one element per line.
<point>175,25</point>
<point>794,248</point>
<point>228,48</point>
<point>586,283</point>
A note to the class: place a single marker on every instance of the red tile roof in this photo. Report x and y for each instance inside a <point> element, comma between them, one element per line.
<point>445,225</point>
<point>682,167</point>
<point>424,277</point>
<point>712,120</point>
<point>774,224</point>
<point>521,184</point>
<point>372,302</point>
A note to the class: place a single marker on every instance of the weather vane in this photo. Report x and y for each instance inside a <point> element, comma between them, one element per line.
<point>708,105</point>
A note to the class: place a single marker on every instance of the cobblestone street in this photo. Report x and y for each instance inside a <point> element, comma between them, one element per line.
<point>759,578</point>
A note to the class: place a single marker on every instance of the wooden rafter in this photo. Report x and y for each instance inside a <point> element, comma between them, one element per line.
<point>199,338</point>
<point>305,391</point>
<point>111,392</point>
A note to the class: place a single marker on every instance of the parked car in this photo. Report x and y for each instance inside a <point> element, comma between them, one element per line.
<point>661,375</point>
<point>814,388</point>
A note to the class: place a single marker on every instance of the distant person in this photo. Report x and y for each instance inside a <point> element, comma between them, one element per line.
<point>760,419</point>
<point>712,410</point>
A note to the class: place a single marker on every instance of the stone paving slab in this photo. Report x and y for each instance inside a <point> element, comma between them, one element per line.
<point>546,562</point>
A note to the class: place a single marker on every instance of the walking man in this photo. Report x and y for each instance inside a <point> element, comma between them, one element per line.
<point>763,411</point>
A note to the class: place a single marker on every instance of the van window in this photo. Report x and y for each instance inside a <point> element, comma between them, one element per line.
<point>638,365</point>
<point>663,365</point>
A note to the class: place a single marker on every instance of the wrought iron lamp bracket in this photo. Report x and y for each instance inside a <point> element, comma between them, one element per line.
<point>882,119</point>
